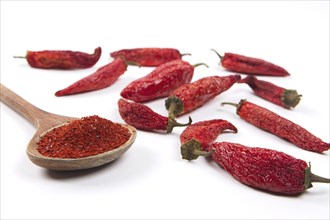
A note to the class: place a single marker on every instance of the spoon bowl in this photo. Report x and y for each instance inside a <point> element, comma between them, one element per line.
<point>45,121</point>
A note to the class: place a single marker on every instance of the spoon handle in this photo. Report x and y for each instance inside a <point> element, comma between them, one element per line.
<point>21,106</point>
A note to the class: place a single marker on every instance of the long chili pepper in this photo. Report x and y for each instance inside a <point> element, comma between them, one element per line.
<point>286,98</point>
<point>193,95</point>
<point>103,77</point>
<point>282,127</point>
<point>61,59</point>
<point>160,82</point>
<point>149,56</point>
<point>250,65</point>
<point>142,117</point>
<point>263,168</point>
<point>201,134</point>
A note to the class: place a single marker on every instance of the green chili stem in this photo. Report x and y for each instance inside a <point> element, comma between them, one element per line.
<point>20,57</point>
<point>319,179</point>
<point>185,54</point>
<point>199,64</point>
<point>221,57</point>
<point>230,103</point>
<point>173,123</point>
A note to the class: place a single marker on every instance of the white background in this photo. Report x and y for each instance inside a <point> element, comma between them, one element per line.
<point>151,181</point>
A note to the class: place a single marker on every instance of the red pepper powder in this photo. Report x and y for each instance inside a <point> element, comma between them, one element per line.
<point>84,137</point>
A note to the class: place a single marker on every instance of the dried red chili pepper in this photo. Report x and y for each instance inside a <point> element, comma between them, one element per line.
<point>193,95</point>
<point>200,135</point>
<point>148,56</point>
<point>144,118</point>
<point>281,127</point>
<point>250,65</point>
<point>160,82</point>
<point>103,77</point>
<point>84,137</point>
<point>265,169</point>
<point>286,98</point>
<point>61,59</point>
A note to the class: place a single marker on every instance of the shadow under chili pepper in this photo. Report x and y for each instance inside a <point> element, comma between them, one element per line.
<point>55,174</point>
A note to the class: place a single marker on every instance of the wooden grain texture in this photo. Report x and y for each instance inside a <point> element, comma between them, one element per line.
<point>45,121</point>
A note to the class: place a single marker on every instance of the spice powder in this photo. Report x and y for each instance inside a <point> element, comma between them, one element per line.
<point>84,137</point>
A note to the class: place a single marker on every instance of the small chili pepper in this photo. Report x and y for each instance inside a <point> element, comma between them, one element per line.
<point>193,95</point>
<point>142,117</point>
<point>286,98</point>
<point>263,168</point>
<point>149,56</point>
<point>160,82</point>
<point>103,77</point>
<point>250,65</point>
<point>201,135</point>
<point>61,59</point>
<point>282,127</point>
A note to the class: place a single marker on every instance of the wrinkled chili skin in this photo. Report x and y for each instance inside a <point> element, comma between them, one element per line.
<point>141,116</point>
<point>282,127</point>
<point>285,98</point>
<point>261,168</point>
<point>205,132</point>
<point>103,77</point>
<point>195,94</point>
<point>151,57</point>
<point>160,82</point>
<point>250,65</point>
<point>62,59</point>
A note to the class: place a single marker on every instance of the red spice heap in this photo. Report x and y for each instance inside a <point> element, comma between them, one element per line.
<point>82,138</point>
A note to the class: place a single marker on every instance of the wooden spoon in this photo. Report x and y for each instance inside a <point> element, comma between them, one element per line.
<point>45,121</point>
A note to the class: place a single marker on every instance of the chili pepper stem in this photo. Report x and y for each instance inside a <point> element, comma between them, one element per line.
<point>173,123</point>
<point>24,57</point>
<point>174,106</point>
<point>311,178</point>
<point>185,54</point>
<point>192,149</point>
<point>199,64</point>
<point>221,57</point>
<point>129,63</point>
<point>237,105</point>
<point>230,103</point>
<point>290,98</point>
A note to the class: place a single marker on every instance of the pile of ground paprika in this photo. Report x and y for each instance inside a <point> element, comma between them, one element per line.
<point>83,137</point>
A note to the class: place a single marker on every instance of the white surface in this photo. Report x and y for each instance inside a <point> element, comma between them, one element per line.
<point>151,181</point>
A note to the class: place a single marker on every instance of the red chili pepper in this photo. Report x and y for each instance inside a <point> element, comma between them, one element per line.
<point>61,59</point>
<point>200,135</point>
<point>149,56</point>
<point>193,95</point>
<point>160,82</point>
<point>265,169</point>
<point>286,98</point>
<point>144,118</point>
<point>102,78</point>
<point>282,127</point>
<point>250,65</point>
